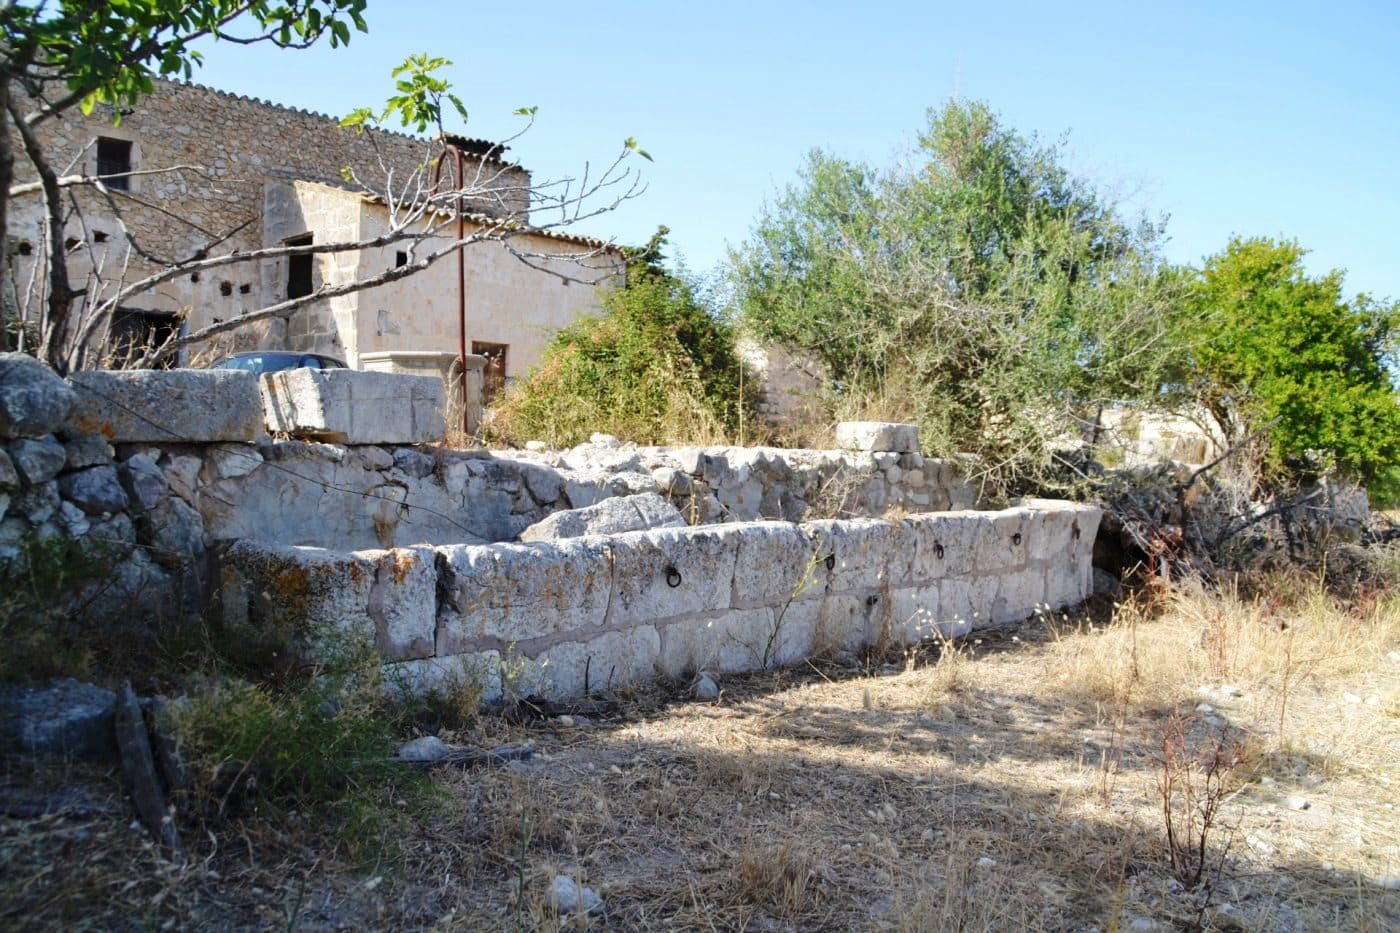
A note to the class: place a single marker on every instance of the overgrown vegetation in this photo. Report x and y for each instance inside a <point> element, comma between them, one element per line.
<point>660,366</point>
<point>982,290</point>
<point>1288,355</point>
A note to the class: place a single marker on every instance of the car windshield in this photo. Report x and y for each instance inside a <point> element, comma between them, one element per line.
<point>262,362</point>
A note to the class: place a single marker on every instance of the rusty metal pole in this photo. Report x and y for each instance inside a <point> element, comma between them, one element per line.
<point>461,273</point>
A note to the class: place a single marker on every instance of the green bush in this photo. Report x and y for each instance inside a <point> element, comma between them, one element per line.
<point>1288,355</point>
<point>658,367</point>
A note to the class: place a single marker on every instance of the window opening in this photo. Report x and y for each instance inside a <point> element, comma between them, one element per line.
<point>114,159</point>
<point>299,281</point>
<point>494,376</point>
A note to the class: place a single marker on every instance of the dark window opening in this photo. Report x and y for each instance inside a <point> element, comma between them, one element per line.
<point>71,243</point>
<point>400,259</point>
<point>114,159</point>
<point>25,248</point>
<point>136,332</point>
<point>99,236</point>
<point>225,288</point>
<point>494,376</point>
<point>244,289</point>
<point>299,282</point>
<point>194,276</point>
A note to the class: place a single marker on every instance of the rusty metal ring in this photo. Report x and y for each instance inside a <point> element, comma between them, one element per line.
<point>938,550</point>
<point>831,561</point>
<point>673,577</point>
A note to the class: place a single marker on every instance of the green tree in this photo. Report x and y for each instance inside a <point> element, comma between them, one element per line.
<point>58,54</point>
<point>659,366</point>
<point>1288,354</point>
<point>995,296</point>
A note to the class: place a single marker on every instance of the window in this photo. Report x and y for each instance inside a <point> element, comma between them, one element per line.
<point>114,159</point>
<point>493,379</point>
<point>299,281</point>
<point>400,259</point>
<point>135,332</point>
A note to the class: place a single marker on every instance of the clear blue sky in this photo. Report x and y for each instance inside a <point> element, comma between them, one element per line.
<point>1272,118</point>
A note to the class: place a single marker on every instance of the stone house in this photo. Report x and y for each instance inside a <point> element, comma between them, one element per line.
<point>245,174</point>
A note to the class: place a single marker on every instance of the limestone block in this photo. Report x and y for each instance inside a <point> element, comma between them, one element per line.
<point>583,489</point>
<point>37,503</point>
<point>672,482</point>
<point>878,436</point>
<point>1019,594</point>
<point>95,490</point>
<point>86,451</point>
<point>353,407</point>
<point>167,406</point>
<point>230,462</point>
<point>9,477</point>
<point>181,474</point>
<point>632,483</point>
<point>848,621</point>
<point>143,481</point>
<point>62,719</point>
<point>403,602</point>
<point>863,553</point>
<point>475,672</point>
<point>672,572</point>
<point>33,400</point>
<point>519,592</point>
<point>544,483</point>
<point>775,562</point>
<point>914,613</point>
<point>725,642</point>
<point>38,460</point>
<point>608,661</point>
<point>609,517</point>
<point>322,593</point>
<point>414,463</point>
<point>174,531</point>
<point>1002,542</point>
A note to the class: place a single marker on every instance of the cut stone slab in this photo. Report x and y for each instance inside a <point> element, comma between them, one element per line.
<point>878,436</point>
<point>65,718</point>
<point>609,517</point>
<point>167,406</point>
<point>345,406</point>
<point>34,401</point>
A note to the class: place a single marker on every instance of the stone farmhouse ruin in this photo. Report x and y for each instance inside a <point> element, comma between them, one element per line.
<point>230,173</point>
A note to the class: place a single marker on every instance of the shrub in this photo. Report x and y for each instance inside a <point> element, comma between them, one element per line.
<point>658,367</point>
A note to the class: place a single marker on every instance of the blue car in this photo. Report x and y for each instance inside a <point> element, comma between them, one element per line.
<point>272,361</point>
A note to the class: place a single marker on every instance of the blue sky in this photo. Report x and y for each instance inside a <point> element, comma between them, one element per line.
<point>1278,118</point>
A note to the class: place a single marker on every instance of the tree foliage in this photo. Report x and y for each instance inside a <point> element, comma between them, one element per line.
<point>1288,354</point>
<point>659,366</point>
<point>996,295</point>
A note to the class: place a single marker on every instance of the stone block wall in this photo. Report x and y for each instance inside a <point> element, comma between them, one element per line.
<point>569,617</point>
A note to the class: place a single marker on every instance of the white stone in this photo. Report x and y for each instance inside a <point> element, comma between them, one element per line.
<point>672,572</point>
<point>567,896</point>
<point>167,406</point>
<point>611,516</point>
<point>403,602</point>
<point>605,662</point>
<point>878,436</point>
<point>728,642</point>
<point>352,407</point>
<point>518,592</point>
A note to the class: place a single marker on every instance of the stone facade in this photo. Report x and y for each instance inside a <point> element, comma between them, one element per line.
<point>251,174</point>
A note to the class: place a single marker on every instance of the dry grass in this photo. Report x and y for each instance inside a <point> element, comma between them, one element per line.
<point>1005,782</point>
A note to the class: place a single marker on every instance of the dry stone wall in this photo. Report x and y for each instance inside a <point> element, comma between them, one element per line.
<point>415,547</point>
<point>565,618</point>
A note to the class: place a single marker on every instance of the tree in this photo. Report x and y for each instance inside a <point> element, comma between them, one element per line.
<point>982,289</point>
<point>64,54</point>
<point>58,55</point>
<point>1288,355</point>
<point>659,366</point>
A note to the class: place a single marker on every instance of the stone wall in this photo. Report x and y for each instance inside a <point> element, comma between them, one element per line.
<point>569,617</point>
<point>172,482</point>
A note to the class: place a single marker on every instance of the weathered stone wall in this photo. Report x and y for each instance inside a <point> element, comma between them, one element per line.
<point>568,617</point>
<point>411,548</point>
